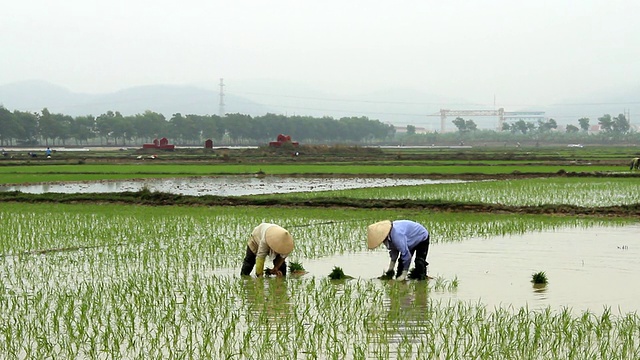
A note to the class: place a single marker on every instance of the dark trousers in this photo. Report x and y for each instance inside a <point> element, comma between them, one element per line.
<point>419,253</point>
<point>250,261</point>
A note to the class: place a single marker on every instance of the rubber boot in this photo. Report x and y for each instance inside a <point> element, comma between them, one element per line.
<point>248,263</point>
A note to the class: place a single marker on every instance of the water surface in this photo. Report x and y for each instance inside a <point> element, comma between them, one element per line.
<point>588,269</point>
<point>220,186</point>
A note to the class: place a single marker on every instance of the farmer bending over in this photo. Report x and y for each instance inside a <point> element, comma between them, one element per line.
<point>403,238</point>
<point>267,240</point>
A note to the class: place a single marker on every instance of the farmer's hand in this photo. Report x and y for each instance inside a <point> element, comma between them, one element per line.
<point>274,272</point>
<point>403,276</point>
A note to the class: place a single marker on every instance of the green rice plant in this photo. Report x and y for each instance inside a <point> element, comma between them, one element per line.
<point>453,284</point>
<point>338,274</point>
<point>295,266</point>
<point>539,278</point>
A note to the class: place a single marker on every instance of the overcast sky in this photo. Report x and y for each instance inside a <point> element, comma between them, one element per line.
<point>523,52</point>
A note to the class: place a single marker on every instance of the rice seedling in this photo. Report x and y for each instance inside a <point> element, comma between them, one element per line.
<point>539,278</point>
<point>296,268</point>
<point>338,274</point>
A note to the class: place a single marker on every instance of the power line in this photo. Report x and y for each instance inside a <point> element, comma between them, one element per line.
<point>345,111</point>
<point>440,103</point>
<point>350,100</point>
<point>384,113</point>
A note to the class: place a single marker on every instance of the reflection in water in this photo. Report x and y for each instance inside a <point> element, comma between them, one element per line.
<point>539,288</point>
<point>407,311</point>
<point>540,292</point>
<point>268,306</point>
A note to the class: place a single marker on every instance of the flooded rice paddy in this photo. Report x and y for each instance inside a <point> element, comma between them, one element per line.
<point>493,309</point>
<point>588,269</point>
<point>221,186</point>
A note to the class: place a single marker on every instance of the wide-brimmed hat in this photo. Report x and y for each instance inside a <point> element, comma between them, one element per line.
<point>376,233</point>
<point>279,240</point>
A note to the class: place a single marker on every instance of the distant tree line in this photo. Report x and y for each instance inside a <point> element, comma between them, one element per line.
<point>20,128</point>
<point>612,130</point>
<point>618,125</point>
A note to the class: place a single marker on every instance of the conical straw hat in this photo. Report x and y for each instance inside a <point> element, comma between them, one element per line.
<point>279,240</point>
<point>376,233</point>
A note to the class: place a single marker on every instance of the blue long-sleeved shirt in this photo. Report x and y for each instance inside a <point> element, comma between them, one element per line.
<point>405,236</point>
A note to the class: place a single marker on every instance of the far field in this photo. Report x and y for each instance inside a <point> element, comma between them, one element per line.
<point>600,176</point>
<point>314,160</point>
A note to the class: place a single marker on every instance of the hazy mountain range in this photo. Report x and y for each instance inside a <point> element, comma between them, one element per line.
<point>165,99</point>
<point>396,106</point>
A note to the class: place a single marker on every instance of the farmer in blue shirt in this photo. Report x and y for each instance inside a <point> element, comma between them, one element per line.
<point>403,239</point>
